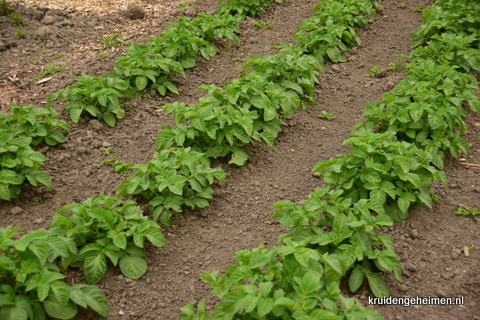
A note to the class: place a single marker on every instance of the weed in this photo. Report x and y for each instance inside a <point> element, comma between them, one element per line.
<point>20,33</point>
<point>49,69</point>
<point>5,8</point>
<point>261,24</point>
<point>416,9</point>
<point>117,165</point>
<point>373,71</point>
<point>239,58</point>
<point>399,64</point>
<point>110,41</point>
<point>61,55</point>
<point>185,4</point>
<point>465,210</point>
<point>102,54</point>
<point>324,114</point>
<point>35,61</point>
<point>107,150</point>
<point>16,18</point>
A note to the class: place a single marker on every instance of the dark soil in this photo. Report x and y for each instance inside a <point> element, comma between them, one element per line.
<point>429,242</point>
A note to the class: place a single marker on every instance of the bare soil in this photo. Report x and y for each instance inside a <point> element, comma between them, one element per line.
<point>430,242</point>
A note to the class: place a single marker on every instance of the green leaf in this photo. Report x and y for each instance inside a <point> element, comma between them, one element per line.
<point>95,266</point>
<point>141,82</point>
<point>14,312</point>
<point>356,279</point>
<point>110,119</point>
<point>155,236</point>
<point>92,296</point>
<point>377,285</point>
<point>4,191</point>
<point>61,291</point>
<point>75,114</point>
<point>133,266</point>
<point>239,157</point>
<point>264,306</point>
<point>56,309</point>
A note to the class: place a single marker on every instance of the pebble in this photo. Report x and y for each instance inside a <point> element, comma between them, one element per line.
<point>414,234</point>
<point>16,210</point>
<point>403,287</point>
<point>440,293</point>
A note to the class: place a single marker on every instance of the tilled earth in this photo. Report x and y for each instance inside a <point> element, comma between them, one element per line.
<point>430,242</point>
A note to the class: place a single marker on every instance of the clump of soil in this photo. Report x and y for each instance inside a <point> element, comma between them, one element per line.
<point>135,13</point>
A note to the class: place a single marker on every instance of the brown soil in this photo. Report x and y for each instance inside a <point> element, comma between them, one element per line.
<point>429,242</point>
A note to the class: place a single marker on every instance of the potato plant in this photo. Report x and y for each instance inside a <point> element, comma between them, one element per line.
<point>100,228</point>
<point>31,288</point>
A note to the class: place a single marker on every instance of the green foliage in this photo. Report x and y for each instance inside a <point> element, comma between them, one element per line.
<point>19,162</point>
<point>324,114</point>
<point>215,130</point>
<point>331,223</point>
<point>110,41</point>
<point>449,16</point>
<point>144,67</point>
<point>426,108</point>
<point>373,71</point>
<point>40,124</point>
<point>465,210</point>
<point>5,8</point>
<point>243,8</point>
<point>172,178</point>
<point>261,24</point>
<point>398,65</point>
<point>332,29</point>
<point>100,228</point>
<point>457,49</point>
<point>49,69</point>
<point>96,96</point>
<point>20,33</point>
<point>185,4</point>
<point>30,288</point>
<point>287,282</point>
<point>117,165</point>
<point>107,150</point>
<point>392,175</point>
<point>16,18</point>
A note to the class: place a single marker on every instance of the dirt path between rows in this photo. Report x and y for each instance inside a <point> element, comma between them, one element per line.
<point>429,243</point>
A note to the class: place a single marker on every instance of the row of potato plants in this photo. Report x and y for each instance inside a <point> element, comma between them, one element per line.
<point>151,65</point>
<point>396,153</point>
<point>102,227</point>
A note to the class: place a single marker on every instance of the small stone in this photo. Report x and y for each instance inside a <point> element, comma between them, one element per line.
<point>191,11</point>
<point>135,13</point>
<point>391,84</point>
<point>414,234</point>
<point>403,287</point>
<point>453,186</point>
<point>49,20</point>
<point>95,125</point>
<point>317,174</point>
<point>440,293</point>
<point>16,210</point>
<point>336,67</point>
<point>381,73</point>
<point>44,32</point>
<point>106,144</point>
